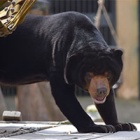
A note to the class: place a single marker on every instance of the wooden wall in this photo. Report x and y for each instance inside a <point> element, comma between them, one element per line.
<point>127,30</point>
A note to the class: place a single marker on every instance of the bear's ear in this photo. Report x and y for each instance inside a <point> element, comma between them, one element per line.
<point>70,65</point>
<point>118,56</point>
<point>118,52</point>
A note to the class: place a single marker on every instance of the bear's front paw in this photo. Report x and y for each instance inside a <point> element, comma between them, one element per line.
<point>98,129</point>
<point>125,127</point>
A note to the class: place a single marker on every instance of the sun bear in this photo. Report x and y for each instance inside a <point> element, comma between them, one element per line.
<point>67,50</point>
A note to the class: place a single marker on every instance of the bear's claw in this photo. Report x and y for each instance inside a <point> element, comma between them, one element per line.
<point>125,127</point>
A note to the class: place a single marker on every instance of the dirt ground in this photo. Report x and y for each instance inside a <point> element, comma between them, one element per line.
<point>128,110</point>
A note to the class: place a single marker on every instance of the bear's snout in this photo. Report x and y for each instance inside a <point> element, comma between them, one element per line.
<point>101,91</point>
<point>98,87</point>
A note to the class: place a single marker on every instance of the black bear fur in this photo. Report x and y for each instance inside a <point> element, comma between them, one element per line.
<point>60,48</point>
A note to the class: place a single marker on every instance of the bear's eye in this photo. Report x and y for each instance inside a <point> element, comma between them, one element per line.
<point>89,76</point>
<point>108,75</point>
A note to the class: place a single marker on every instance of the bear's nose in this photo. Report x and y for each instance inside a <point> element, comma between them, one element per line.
<point>101,91</point>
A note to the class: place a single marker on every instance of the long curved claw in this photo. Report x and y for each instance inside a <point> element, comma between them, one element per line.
<point>125,127</point>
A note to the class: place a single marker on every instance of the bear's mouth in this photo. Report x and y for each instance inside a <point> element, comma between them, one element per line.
<point>99,100</point>
<point>98,87</point>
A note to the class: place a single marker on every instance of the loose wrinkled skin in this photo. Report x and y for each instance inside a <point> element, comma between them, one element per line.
<point>62,49</point>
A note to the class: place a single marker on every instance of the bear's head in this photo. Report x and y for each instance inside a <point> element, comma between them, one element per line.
<point>94,70</point>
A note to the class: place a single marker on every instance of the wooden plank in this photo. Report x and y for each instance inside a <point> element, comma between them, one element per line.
<point>26,125</point>
<point>11,116</point>
<point>12,129</point>
<point>62,132</point>
<point>122,136</point>
<point>68,130</point>
<point>65,132</point>
<point>57,137</point>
